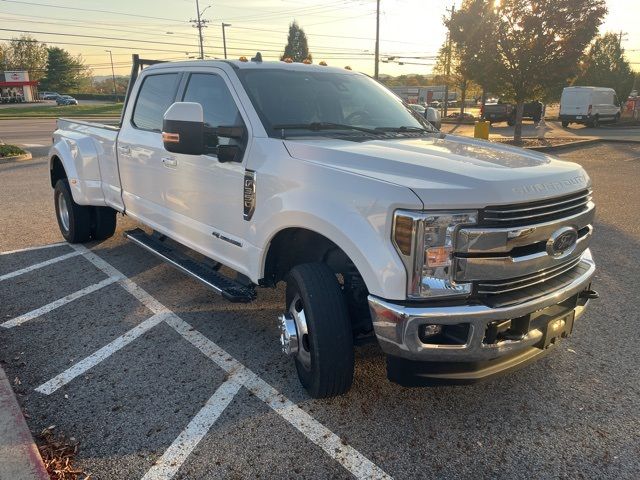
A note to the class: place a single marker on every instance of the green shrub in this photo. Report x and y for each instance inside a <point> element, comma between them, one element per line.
<point>10,151</point>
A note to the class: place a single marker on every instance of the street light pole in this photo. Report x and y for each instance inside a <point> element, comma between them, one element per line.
<point>113,76</point>
<point>224,38</point>
<point>377,54</point>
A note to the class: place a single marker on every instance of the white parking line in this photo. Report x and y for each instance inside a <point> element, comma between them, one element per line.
<point>351,459</point>
<point>173,458</point>
<point>92,360</point>
<point>14,322</point>
<point>36,266</point>
<point>347,456</point>
<point>29,249</point>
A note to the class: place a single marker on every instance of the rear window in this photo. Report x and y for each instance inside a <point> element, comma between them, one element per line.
<point>156,95</point>
<point>575,97</point>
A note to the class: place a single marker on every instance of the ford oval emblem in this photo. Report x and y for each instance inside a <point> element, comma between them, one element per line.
<point>562,242</point>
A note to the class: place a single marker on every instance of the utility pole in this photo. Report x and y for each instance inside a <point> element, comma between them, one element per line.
<point>377,55</point>
<point>200,24</point>
<point>224,38</point>
<point>448,66</point>
<point>113,76</point>
<point>620,36</point>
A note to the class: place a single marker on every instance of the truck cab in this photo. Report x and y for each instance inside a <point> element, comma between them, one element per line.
<point>461,258</point>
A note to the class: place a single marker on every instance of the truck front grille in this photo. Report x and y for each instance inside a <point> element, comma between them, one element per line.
<point>535,212</point>
<point>501,294</point>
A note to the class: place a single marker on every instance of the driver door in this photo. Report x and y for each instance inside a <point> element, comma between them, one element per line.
<point>203,196</point>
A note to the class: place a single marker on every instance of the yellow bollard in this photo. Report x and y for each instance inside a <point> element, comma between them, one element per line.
<point>481,129</point>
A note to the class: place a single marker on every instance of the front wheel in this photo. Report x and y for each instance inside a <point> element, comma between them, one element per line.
<point>324,349</point>
<point>595,123</point>
<point>565,124</point>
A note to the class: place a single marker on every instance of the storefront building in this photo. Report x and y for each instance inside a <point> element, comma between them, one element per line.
<point>16,87</point>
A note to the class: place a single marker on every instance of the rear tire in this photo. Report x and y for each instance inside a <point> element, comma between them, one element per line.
<point>325,367</point>
<point>103,223</point>
<point>74,220</point>
<point>511,122</point>
<point>565,124</point>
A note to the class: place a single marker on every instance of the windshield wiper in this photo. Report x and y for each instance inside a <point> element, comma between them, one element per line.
<point>402,129</point>
<point>317,126</point>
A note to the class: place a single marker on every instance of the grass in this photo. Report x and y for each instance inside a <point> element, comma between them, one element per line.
<point>10,151</point>
<point>54,111</point>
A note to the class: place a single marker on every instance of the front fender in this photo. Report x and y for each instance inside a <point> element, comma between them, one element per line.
<point>352,211</point>
<point>79,157</point>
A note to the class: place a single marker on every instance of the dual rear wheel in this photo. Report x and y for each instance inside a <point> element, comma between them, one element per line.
<point>81,223</point>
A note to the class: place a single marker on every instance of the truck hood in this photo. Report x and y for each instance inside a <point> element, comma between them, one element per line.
<point>448,171</point>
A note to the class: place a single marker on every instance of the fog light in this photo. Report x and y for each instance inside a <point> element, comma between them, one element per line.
<point>428,331</point>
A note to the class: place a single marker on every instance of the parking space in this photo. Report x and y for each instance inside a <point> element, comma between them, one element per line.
<point>157,377</point>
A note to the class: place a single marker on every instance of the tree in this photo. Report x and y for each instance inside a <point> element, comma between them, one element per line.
<point>26,53</point>
<point>64,72</point>
<point>297,48</point>
<point>459,76</point>
<point>532,45</point>
<point>472,30</point>
<point>606,66</point>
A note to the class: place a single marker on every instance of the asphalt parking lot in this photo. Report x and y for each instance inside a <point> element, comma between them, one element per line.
<point>156,377</point>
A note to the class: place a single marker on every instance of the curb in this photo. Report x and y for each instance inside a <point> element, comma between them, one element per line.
<point>19,455</point>
<point>16,158</point>
<point>581,143</point>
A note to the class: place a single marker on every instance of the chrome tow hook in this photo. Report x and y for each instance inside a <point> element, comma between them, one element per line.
<point>288,334</point>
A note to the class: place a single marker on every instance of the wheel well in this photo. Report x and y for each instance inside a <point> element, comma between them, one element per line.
<point>295,246</point>
<point>57,171</point>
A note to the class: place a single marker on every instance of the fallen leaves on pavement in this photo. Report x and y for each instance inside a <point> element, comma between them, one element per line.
<point>58,455</point>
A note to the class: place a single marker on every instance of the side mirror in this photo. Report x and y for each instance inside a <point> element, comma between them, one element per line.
<point>433,116</point>
<point>183,128</point>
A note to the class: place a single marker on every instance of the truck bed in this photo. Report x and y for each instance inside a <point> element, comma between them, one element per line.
<point>92,146</point>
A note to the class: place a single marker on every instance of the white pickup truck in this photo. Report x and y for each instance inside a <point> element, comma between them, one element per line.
<point>463,258</point>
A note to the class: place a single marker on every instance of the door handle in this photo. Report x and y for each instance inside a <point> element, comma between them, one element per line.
<point>124,149</point>
<point>169,161</point>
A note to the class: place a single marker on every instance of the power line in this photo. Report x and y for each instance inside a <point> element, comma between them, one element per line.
<point>111,12</point>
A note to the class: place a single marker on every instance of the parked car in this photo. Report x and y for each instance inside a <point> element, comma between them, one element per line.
<point>589,106</point>
<point>49,95</point>
<point>464,259</point>
<point>506,112</point>
<point>66,100</point>
<point>431,114</point>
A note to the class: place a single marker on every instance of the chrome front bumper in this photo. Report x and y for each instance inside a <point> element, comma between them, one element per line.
<point>397,326</point>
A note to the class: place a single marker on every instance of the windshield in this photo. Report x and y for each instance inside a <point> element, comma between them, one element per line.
<point>296,98</point>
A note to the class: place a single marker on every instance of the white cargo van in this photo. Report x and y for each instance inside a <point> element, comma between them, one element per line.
<point>589,106</point>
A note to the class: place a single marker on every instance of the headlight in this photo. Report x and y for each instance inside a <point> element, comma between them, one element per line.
<point>424,241</point>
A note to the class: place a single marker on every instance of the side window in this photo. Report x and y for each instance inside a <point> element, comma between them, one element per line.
<point>156,94</point>
<point>211,92</point>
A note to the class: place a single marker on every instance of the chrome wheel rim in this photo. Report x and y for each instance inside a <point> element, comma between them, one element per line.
<point>63,212</point>
<point>296,310</point>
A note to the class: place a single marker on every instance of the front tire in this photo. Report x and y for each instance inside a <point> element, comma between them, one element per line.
<point>325,359</point>
<point>595,123</point>
<point>74,220</point>
<point>565,124</point>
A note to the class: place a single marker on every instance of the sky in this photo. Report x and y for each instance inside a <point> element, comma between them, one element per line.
<point>341,32</point>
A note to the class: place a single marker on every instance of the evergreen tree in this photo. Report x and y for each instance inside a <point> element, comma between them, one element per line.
<point>64,72</point>
<point>297,48</point>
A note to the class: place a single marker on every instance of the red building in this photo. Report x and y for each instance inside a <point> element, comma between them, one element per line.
<point>16,87</point>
